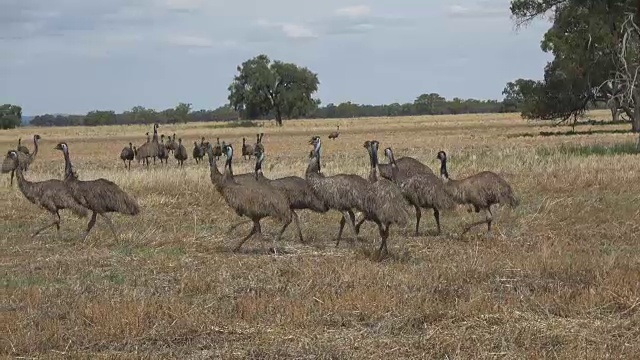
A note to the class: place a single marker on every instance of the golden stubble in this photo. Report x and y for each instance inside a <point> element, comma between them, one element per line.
<point>559,277</point>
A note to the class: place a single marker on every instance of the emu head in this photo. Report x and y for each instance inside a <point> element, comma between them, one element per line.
<point>389,154</point>
<point>36,137</point>
<point>442,156</point>
<point>62,147</point>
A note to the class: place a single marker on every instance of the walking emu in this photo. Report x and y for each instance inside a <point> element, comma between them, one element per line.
<point>181,153</point>
<point>384,203</point>
<point>255,201</point>
<point>101,196</point>
<point>480,190</point>
<point>421,189</point>
<point>127,154</point>
<point>295,188</point>
<point>335,134</point>
<point>342,192</point>
<point>247,150</point>
<point>24,159</point>
<point>52,195</point>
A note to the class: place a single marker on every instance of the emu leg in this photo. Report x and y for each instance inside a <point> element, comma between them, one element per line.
<point>359,224</point>
<point>297,223</point>
<point>233,227</point>
<point>347,217</point>
<point>418,216</point>
<point>342,222</point>
<point>113,229</point>
<point>56,222</point>
<point>255,229</point>
<point>277,239</point>
<point>487,220</point>
<point>384,234</point>
<point>436,215</point>
<point>90,225</point>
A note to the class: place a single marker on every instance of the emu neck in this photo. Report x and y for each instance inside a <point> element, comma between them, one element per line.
<point>23,184</point>
<point>32,156</point>
<point>443,170</point>
<point>373,174</point>
<point>69,174</point>
<point>314,167</point>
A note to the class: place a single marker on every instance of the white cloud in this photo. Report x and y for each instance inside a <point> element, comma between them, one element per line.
<point>483,9</point>
<point>189,41</point>
<point>290,30</point>
<point>353,11</point>
<point>296,31</point>
<point>458,9</point>
<point>182,5</point>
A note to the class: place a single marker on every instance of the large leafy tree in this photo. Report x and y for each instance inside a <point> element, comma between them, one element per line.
<point>276,88</point>
<point>10,116</point>
<point>431,103</point>
<point>595,44</point>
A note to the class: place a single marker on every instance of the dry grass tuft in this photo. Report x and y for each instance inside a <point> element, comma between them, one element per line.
<point>559,278</point>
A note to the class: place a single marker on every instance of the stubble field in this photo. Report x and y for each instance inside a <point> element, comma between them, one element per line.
<point>559,278</point>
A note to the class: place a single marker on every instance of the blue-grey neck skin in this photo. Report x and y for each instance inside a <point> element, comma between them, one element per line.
<point>443,168</point>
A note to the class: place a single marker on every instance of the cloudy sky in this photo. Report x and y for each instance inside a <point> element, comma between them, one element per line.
<point>73,56</point>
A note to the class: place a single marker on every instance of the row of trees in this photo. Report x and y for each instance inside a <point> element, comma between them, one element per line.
<point>426,104</point>
<point>596,49</point>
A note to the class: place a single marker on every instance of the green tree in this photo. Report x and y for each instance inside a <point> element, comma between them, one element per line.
<point>262,87</point>
<point>181,112</point>
<point>429,103</point>
<point>10,116</point>
<point>596,46</point>
<point>100,117</point>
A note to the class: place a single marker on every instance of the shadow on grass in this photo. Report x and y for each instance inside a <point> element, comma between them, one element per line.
<point>570,133</point>
<point>233,124</point>
<point>626,148</point>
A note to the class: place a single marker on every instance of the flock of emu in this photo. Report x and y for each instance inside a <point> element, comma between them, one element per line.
<point>157,148</point>
<point>383,198</point>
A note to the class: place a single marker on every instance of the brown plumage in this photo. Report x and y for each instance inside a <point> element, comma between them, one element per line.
<point>258,147</point>
<point>295,188</point>
<point>255,201</point>
<point>217,149</point>
<point>52,195</point>
<point>163,153</point>
<point>149,149</point>
<point>172,145</point>
<point>181,153</point>
<point>407,167</point>
<point>101,196</point>
<point>480,190</point>
<point>247,150</point>
<point>23,149</point>
<point>423,190</point>
<point>23,159</point>
<point>127,154</point>
<point>384,203</point>
<point>334,135</point>
<point>341,192</point>
<point>198,152</point>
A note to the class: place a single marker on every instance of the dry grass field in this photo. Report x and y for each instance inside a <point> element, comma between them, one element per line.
<point>559,278</point>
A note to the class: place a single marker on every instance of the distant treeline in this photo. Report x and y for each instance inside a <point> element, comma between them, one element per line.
<point>426,104</point>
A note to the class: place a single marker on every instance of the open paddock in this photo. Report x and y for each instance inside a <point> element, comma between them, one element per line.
<point>560,277</point>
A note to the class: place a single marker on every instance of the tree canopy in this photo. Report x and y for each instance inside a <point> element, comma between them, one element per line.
<point>10,116</point>
<point>595,44</point>
<point>262,87</point>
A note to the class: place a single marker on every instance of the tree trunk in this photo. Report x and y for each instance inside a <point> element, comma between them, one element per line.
<point>635,120</point>
<point>613,107</point>
<point>278,116</point>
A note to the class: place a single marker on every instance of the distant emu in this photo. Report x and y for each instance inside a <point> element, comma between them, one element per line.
<point>481,190</point>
